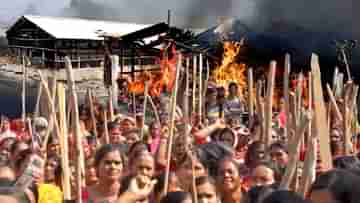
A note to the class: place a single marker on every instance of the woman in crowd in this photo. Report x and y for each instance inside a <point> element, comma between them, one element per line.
<point>206,190</point>
<point>109,165</point>
<point>52,173</point>
<point>336,186</point>
<point>229,182</point>
<point>177,197</point>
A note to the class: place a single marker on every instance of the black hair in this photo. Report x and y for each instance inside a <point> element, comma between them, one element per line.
<point>258,193</point>
<point>16,144</point>
<point>347,163</point>
<point>253,148</point>
<point>112,125</point>
<point>160,184</point>
<point>279,145</point>
<point>210,154</point>
<point>105,149</point>
<point>232,84</point>
<point>240,168</point>
<point>343,185</point>
<point>58,169</point>
<point>175,197</point>
<point>284,197</point>
<point>205,179</point>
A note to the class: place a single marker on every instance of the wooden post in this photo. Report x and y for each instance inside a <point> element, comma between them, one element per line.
<point>294,151</point>
<point>23,92</point>
<point>321,127</point>
<point>38,99</point>
<point>260,109</point>
<point>63,136</point>
<point>154,109</point>
<point>111,104</point>
<point>79,148</point>
<point>186,98</point>
<point>194,86</point>
<point>286,94</point>
<point>106,129</point>
<point>114,76</point>
<point>144,109</point>
<point>172,125</point>
<point>309,168</point>
<point>250,97</point>
<point>269,103</point>
<point>347,118</point>
<point>92,112</point>
<point>200,87</point>
<point>333,102</point>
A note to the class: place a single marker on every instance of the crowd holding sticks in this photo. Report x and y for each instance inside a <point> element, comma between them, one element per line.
<point>203,152</point>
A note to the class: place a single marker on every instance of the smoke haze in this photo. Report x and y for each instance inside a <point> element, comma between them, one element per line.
<point>316,15</point>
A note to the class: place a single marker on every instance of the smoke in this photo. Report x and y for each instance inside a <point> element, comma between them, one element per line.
<point>315,15</point>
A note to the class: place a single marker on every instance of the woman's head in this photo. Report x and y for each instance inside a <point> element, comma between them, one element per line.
<point>144,165</point>
<point>279,154</point>
<point>52,169</point>
<point>255,154</point>
<point>90,172</point>
<point>228,176</point>
<point>177,197</point>
<point>185,170</point>
<point>206,190</point>
<point>109,163</point>
<point>337,186</point>
<point>228,137</point>
<point>284,197</point>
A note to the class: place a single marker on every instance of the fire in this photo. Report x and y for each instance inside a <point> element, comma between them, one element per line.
<point>157,80</point>
<point>230,70</point>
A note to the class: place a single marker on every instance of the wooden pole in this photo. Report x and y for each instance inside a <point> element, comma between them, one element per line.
<point>260,109</point>
<point>333,102</point>
<point>79,148</point>
<point>294,151</point>
<point>321,127</point>
<point>200,87</point>
<point>106,129</point>
<point>144,109</point>
<point>194,86</point>
<point>269,103</point>
<point>186,98</point>
<point>63,136</point>
<point>23,91</point>
<point>92,112</point>
<point>309,169</point>
<point>111,104</point>
<point>347,118</point>
<point>250,97</point>
<point>172,125</point>
<point>286,94</point>
<point>38,99</point>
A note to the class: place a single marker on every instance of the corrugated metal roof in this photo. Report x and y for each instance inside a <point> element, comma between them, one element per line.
<point>77,28</point>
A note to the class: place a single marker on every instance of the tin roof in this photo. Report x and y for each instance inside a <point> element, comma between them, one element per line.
<point>77,28</point>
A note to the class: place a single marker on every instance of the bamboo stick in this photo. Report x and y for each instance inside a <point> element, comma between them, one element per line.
<point>309,168</point>
<point>106,129</point>
<point>38,99</point>
<point>63,136</point>
<point>111,104</point>
<point>286,94</point>
<point>186,98</point>
<point>260,108</point>
<point>333,103</point>
<point>294,151</point>
<point>194,86</point>
<point>157,117</point>
<point>269,103</point>
<point>299,93</point>
<point>193,176</point>
<point>144,109</point>
<point>200,87</point>
<point>23,90</point>
<point>53,117</point>
<point>92,112</point>
<point>251,97</point>
<point>79,149</point>
<point>172,125</point>
<point>321,127</point>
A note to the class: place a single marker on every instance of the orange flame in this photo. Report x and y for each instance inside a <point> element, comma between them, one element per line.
<point>157,80</point>
<point>230,70</point>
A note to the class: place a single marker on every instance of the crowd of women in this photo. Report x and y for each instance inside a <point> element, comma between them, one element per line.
<point>222,161</point>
